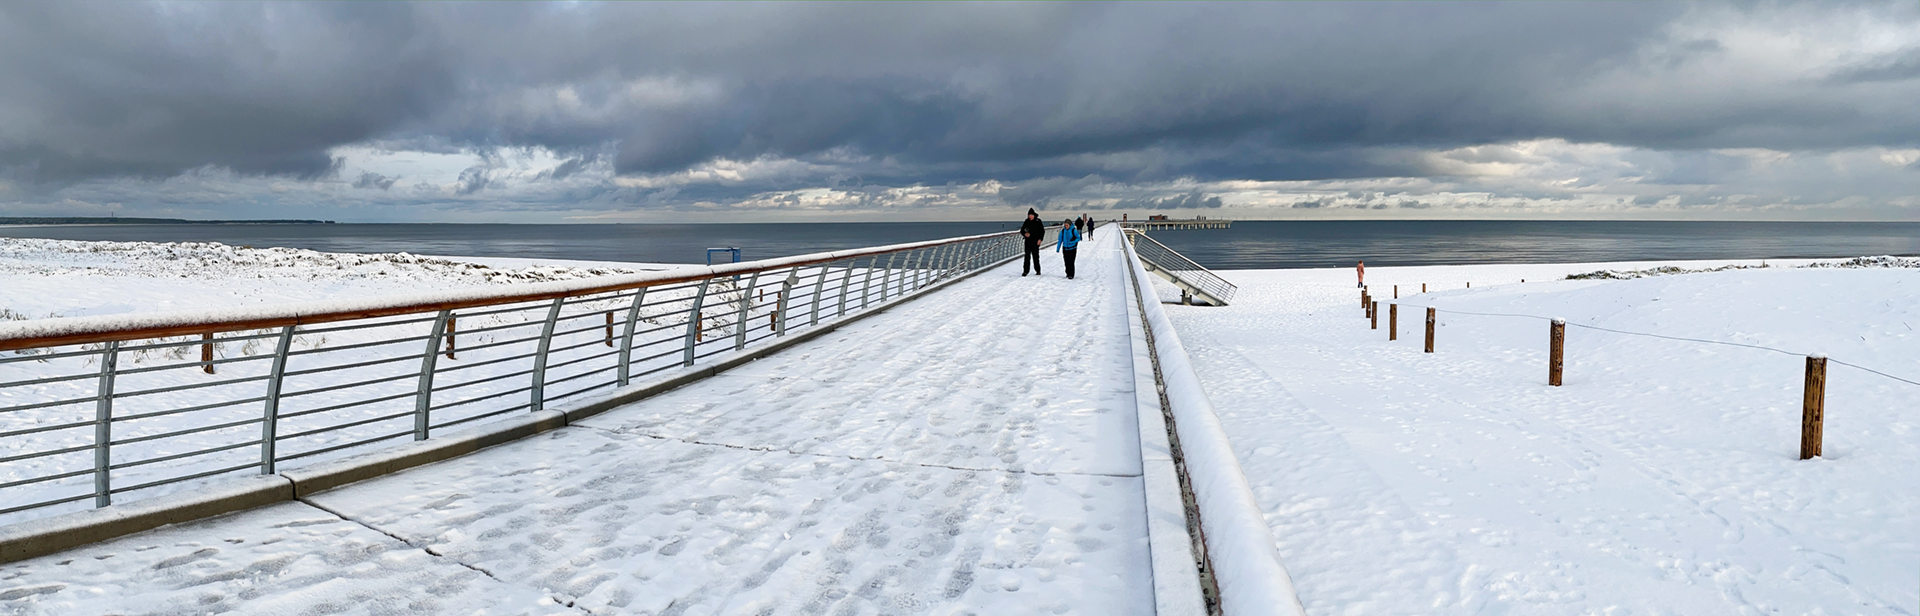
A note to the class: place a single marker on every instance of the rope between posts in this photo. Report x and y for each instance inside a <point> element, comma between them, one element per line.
<point>1664,336</point>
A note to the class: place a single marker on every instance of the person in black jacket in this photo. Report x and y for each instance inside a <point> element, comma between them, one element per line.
<point>1032,231</point>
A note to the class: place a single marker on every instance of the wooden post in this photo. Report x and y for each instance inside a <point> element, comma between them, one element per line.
<point>453,325</point>
<point>1363,297</point>
<point>700,332</point>
<point>1430,319</point>
<point>1423,287</point>
<point>1556,358</point>
<point>1813,412</point>
<point>609,328</point>
<point>1469,285</point>
<point>1374,314</point>
<point>206,353</point>
<point>1396,291</point>
<point>1393,321</point>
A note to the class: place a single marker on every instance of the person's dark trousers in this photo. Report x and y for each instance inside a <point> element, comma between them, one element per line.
<point>1067,256</point>
<point>1033,258</point>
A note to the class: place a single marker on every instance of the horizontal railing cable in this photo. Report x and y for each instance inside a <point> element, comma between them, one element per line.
<point>1781,351</point>
<point>1183,268</point>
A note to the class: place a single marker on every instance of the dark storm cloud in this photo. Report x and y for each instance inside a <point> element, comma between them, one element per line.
<point>374,180</point>
<point>568,168</point>
<point>1190,201</point>
<point>1041,192</point>
<point>1900,67</point>
<point>895,93</point>
<point>152,90</point>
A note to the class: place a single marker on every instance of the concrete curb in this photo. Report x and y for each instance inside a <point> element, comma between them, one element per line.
<point>1176,574</point>
<point>1239,546</point>
<point>50,535</point>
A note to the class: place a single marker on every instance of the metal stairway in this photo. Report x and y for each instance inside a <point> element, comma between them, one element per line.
<point>1194,281</point>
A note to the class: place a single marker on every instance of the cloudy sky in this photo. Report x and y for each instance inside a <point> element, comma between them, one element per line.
<point>757,112</point>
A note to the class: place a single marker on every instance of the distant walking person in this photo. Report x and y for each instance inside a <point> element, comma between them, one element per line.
<point>1032,231</point>
<point>1361,270</point>
<point>1069,243</point>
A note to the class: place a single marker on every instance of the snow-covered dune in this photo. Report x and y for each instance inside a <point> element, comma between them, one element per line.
<point>45,278</point>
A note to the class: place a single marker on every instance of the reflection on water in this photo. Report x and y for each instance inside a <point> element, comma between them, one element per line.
<point>1277,244</point>
<point>1248,245</point>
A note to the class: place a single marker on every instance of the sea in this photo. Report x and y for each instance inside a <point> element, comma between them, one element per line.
<point>1247,245</point>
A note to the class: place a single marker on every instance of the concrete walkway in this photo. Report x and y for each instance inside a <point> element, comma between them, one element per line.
<point>972,451</point>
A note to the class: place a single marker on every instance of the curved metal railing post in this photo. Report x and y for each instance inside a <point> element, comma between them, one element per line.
<point>846,281</point>
<point>909,274</point>
<point>693,322</point>
<point>746,304</point>
<point>423,396</point>
<point>819,286</point>
<point>926,256</point>
<point>866,284</point>
<point>897,279</point>
<point>270,414</point>
<point>780,305</point>
<point>885,273</point>
<point>539,394</point>
<point>623,374</point>
<point>923,260</point>
<point>103,426</point>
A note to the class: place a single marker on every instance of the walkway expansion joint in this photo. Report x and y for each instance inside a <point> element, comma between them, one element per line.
<point>428,549</point>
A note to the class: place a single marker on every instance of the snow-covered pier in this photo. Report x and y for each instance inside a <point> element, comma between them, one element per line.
<point>996,444</point>
<point>974,448</point>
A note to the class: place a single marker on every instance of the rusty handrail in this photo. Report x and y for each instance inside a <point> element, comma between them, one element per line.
<point>109,328</point>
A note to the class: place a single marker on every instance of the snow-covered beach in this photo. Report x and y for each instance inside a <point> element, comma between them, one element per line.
<point>1662,478</point>
<point>45,278</point>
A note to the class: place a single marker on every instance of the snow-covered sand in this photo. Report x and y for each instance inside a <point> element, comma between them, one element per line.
<point>972,451</point>
<point>47,278</point>
<point>1661,479</point>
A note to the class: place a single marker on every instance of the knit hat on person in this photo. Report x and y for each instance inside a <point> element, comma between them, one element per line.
<point>1030,212</point>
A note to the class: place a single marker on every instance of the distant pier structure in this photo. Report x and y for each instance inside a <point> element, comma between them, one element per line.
<point>1153,223</point>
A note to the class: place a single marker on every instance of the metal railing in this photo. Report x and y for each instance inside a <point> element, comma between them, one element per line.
<point>1192,223</point>
<point>99,409</point>
<point>1181,271</point>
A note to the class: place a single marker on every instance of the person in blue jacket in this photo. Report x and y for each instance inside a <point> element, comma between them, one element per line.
<point>1068,244</point>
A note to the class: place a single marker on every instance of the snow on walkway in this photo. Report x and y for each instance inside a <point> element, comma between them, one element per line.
<point>1662,479</point>
<point>973,451</point>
